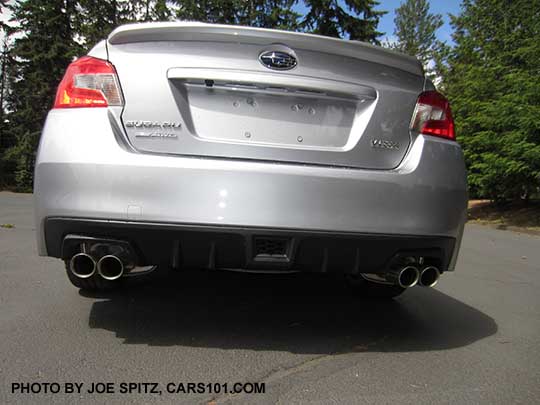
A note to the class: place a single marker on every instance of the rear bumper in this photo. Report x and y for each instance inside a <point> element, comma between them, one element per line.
<point>257,249</point>
<point>84,172</point>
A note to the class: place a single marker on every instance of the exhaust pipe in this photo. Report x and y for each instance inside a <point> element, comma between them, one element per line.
<point>110,267</point>
<point>405,277</point>
<point>429,276</point>
<point>82,265</point>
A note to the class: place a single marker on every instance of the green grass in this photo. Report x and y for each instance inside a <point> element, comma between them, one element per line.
<point>512,214</point>
<point>8,226</point>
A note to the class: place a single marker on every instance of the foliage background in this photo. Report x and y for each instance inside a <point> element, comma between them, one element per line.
<point>490,72</point>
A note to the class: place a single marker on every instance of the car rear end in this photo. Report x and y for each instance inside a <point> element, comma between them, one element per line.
<point>220,147</point>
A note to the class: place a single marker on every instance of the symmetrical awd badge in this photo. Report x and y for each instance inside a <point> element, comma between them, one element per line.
<point>155,129</point>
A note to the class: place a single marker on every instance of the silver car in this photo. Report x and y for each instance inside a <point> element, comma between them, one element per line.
<point>192,145</point>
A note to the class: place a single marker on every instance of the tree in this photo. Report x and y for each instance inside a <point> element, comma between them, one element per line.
<point>352,19</point>
<point>159,11</point>
<point>270,14</point>
<point>5,46</point>
<point>415,29</point>
<point>212,11</point>
<point>40,56</point>
<point>493,85</point>
<point>96,19</point>
<point>254,13</point>
<point>3,4</point>
<point>5,62</point>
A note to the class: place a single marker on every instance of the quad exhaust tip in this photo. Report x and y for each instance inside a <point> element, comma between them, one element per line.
<point>429,276</point>
<point>110,267</point>
<point>82,265</point>
<point>405,277</point>
<point>408,277</point>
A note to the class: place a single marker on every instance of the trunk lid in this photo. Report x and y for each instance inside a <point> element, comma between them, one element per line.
<point>203,90</point>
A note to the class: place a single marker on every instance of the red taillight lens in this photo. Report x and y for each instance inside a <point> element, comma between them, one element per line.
<point>89,82</point>
<point>433,116</point>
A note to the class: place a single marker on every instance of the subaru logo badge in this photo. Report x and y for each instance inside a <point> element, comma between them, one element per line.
<point>277,60</point>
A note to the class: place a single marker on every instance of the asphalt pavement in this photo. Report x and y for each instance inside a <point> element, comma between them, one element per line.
<point>474,338</point>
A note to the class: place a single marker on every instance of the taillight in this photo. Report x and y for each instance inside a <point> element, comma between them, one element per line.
<point>89,82</point>
<point>432,116</point>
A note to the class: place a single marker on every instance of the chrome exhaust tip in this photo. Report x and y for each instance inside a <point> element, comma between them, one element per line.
<point>405,277</point>
<point>82,265</point>
<point>408,277</point>
<point>429,276</point>
<point>110,267</point>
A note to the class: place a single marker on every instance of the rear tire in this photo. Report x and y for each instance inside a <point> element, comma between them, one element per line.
<point>92,283</point>
<point>372,290</point>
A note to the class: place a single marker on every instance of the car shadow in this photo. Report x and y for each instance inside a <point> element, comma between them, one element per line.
<point>294,313</point>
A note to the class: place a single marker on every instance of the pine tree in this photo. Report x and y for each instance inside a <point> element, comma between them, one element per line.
<point>415,29</point>
<point>254,13</point>
<point>352,19</point>
<point>96,19</point>
<point>3,4</point>
<point>5,46</point>
<point>157,10</point>
<point>211,11</point>
<point>40,56</point>
<point>5,62</point>
<point>270,14</point>
<point>492,82</point>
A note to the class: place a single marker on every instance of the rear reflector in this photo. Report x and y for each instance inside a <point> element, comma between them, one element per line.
<point>89,82</point>
<point>433,116</point>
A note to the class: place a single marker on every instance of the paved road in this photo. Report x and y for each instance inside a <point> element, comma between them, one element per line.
<point>475,338</point>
